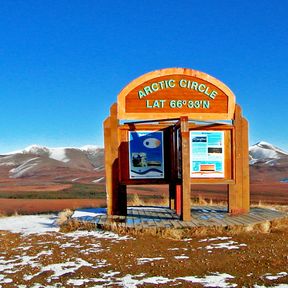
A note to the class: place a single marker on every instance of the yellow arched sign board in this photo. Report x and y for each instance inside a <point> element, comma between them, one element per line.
<point>174,92</point>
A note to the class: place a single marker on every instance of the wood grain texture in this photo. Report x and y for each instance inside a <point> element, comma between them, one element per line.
<point>133,107</point>
<point>185,147</point>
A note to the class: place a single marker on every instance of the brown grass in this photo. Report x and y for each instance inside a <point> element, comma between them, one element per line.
<point>72,225</point>
<point>64,216</point>
<point>136,200</point>
<point>179,233</point>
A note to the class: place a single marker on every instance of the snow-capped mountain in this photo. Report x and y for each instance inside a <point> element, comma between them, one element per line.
<point>266,153</point>
<point>36,160</point>
<point>267,162</point>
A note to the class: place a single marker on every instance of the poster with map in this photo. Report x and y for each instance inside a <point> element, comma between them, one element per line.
<point>207,154</point>
<point>146,155</point>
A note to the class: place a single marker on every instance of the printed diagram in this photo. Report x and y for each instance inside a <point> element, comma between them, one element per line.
<point>146,155</point>
<point>207,154</point>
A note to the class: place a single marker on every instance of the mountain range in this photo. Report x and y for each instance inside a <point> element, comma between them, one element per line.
<point>86,164</point>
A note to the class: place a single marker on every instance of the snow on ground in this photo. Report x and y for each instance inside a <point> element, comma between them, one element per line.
<point>41,224</point>
<point>277,276</point>
<point>274,286</point>
<point>222,245</point>
<point>181,257</point>
<point>34,256</point>
<point>133,281</point>
<point>141,261</point>
<point>91,212</point>
<point>29,224</point>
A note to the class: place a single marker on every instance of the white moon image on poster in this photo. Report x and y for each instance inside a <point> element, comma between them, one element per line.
<point>151,143</point>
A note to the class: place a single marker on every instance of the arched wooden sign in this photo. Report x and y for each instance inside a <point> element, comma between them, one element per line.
<point>179,152</point>
<point>171,92</point>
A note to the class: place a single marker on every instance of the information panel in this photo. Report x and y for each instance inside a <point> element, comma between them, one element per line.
<point>207,154</point>
<point>146,155</point>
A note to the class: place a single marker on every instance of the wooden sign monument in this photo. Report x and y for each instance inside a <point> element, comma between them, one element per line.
<point>184,128</point>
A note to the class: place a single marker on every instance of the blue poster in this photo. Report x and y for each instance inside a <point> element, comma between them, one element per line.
<point>207,154</point>
<point>146,155</point>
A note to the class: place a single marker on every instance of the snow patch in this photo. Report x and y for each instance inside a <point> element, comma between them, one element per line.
<point>7,164</point>
<point>264,150</point>
<point>275,277</point>
<point>24,168</point>
<point>91,212</point>
<point>214,280</point>
<point>98,180</point>
<point>227,245</point>
<point>180,257</point>
<point>222,245</point>
<point>29,224</point>
<point>89,148</point>
<point>141,261</point>
<point>215,239</point>
<point>58,154</point>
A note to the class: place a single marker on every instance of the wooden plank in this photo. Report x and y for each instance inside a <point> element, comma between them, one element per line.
<point>245,167</point>
<point>108,166</point>
<point>235,190</point>
<point>135,106</point>
<point>114,123</point>
<point>185,191</point>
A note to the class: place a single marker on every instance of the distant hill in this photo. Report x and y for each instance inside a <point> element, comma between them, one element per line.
<point>86,164</point>
<point>55,164</point>
<point>268,163</point>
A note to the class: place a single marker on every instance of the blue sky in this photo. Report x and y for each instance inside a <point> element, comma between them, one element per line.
<point>64,62</point>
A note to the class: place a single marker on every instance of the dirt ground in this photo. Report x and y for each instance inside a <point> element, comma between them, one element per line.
<point>91,259</point>
<point>34,206</point>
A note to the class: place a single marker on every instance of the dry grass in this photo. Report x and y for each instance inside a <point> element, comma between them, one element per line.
<point>2,214</point>
<point>200,200</point>
<point>68,224</point>
<point>73,225</point>
<point>261,204</point>
<point>137,201</point>
<point>64,216</point>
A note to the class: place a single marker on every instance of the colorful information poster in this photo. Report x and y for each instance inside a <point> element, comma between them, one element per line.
<point>207,154</point>
<point>146,155</point>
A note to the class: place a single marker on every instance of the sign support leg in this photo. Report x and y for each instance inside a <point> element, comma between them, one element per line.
<point>238,197</point>
<point>185,197</point>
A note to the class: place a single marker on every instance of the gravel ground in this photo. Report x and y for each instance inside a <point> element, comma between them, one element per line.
<point>33,253</point>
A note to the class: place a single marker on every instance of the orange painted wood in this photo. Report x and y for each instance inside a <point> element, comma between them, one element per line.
<point>133,105</point>
<point>185,147</point>
<point>239,193</point>
<point>245,165</point>
<point>111,143</point>
<point>108,166</point>
<point>179,203</point>
<point>173,166</point>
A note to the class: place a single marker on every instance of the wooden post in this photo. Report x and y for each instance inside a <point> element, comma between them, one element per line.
<point>108,166</point>
<point>245,164</point>
<point>239,193</point>
<point>185,197</point>
<point>111,143</point>
<point>173,175</point>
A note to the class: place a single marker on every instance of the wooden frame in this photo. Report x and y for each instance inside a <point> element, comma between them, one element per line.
<point>236,157</point>
<point>161,74</point>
